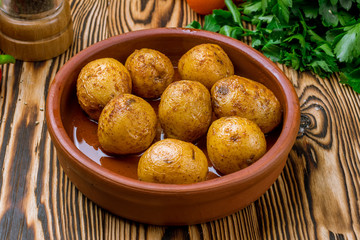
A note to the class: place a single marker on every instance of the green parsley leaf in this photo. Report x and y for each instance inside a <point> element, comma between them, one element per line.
<point>352,79</point>
<point>194,24</point>
<point>6,59</point>
<point>234,11</point>
<point>253,7</point>
<point>348,46</point>
<point>310,11</point>
<point>211,24</point>
<point>328,12</point>
<point>346,4</point>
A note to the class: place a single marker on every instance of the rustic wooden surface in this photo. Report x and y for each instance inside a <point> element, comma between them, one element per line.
<point>317,196</point>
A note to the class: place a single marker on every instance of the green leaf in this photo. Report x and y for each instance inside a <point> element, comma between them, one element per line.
<point>332,35</point>
<point>6,59</point>
<point>264,5</point>
<point>194,24</point>
<point>345,18</point>
<point>272,51</point>
<point>256,43</point>
<point>223,17</point>
<point>320,64</point>
<point>310,12</point>
<point>351,79</point>
<point>286,3</point>
<point>326,48</point>
<point>348,47</point>
<point>210,24</point>
<point>328,12</point>
<point>294,60</point>
<point>275,24</point>
<point>266,19</point>
<point>226,30</point>
<point>346,4</point>
<point>234,11</point>
<point>252,7</point>
<point>223,14</point>
<point>315,37</point>
<point>282,12</point>
<point>299,37</point>
<point>234,32</point>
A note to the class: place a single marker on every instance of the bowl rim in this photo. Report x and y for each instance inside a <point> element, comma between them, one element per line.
<point>280,149</point>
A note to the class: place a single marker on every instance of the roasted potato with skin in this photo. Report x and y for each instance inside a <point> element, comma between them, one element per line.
<point>173,161</point>
<point>127,125</point>
<point>185,110</point>
<point>234,143</point>
<point>100,81</point>
<point>239,96</point>
<point>151,72</point>
<point>205,63</point>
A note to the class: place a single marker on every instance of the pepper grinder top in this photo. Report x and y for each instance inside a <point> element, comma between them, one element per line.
<point>35,30</point>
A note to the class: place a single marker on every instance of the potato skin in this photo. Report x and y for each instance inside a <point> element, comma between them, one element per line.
<point>234,143</point>
<point>127,125</point>
<point>239,96</point>
<point>185,110</point>
<point>151,72</point>
<point>205,63</point>
<point>173,161</point>
<point>100,81</point>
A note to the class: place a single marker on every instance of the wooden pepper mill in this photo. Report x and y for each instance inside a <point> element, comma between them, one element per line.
<point>35,30</point>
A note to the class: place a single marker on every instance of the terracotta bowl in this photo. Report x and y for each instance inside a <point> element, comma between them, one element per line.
<point>112,183</point>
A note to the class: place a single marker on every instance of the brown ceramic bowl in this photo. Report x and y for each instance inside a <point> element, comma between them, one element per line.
<point>116,188</point>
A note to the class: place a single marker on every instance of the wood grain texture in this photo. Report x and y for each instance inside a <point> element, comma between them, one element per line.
<point>316,196</point>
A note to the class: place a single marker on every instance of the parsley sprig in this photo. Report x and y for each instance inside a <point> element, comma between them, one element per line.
<point>320,36</point>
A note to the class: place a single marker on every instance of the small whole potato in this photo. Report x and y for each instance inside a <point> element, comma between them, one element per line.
<point>234,143</point>
<point>205,63</point>
<point>185,110</point>
<point>100,81</point>
<point>151,72</point>
<point>239,96</point>
<point>173,161</point>
<point>127,125</point>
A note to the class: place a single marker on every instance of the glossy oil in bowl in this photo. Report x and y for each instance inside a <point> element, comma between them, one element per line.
<point>114,186</point>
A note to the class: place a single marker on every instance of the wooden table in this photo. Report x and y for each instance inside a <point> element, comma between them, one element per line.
<point>316,196</point>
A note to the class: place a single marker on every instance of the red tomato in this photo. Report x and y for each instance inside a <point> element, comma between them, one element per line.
<point>205,6</point>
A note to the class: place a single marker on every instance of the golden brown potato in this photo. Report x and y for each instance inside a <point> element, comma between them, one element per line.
<point>127,125</point>
<point>100,81</point>
<point>238,96</point>
<point>234,143</point>
<point>185,110</point>
<point>151,72</point>
<point>205,63</point>
<point>173,161</point>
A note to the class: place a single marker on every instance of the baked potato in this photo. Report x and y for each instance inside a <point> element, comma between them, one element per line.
<point>185,110</point>
<point>239,96</point>
<point>126,125</point>
<point>151,72</point>
<point>173,161</point>
<point>234,143</point>
<point>100,81</point>
<point>205,63</point>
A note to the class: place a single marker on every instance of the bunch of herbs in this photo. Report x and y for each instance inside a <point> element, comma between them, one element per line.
<point>320,36</point>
